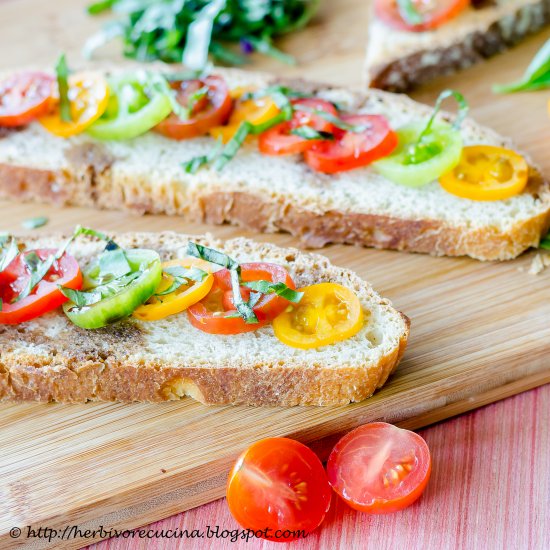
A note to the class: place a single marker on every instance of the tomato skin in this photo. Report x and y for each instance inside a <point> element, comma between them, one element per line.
<point>214,314</point>
<point>25,97</point>
<point>379,468</point>
<point>210,111</point>
<point>388,12</point>
<point>45,297</point>
<point>279,484</point>
<point>353,150</point>
<point>280,141</point>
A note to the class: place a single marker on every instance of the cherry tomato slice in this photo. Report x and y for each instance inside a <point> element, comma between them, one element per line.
<point>25,97</point>
<point>210,110</point>
<point>88,96</point>
<point>351,149</point>
<point>487,173</point>
<point>280,485</point>
<point>379,468</point>
<point>46,296</point>
<point>280,141</point>
<point>433,13</point>
<point>216,314</point>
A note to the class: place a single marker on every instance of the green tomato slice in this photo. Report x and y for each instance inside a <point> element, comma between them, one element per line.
<point>119,297</point>
<point>438,153</point>
<point>132,110</point>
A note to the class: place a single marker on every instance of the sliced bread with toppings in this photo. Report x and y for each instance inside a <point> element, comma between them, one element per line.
<point>51,359</point>
<point>398,59</point>
<point>279,193</point>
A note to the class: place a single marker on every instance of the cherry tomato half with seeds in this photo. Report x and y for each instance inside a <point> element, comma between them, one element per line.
<point>206,110</point>
<point>279,484</point>
<point>433,13</point>
<point>280,140</point>
<point>379,468</point>
<point>216,314</point>
<point>354,149</point>
<point>25,97</point>
<point>45,296</point>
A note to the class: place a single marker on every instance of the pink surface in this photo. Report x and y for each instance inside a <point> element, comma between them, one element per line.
<point>490,489</point>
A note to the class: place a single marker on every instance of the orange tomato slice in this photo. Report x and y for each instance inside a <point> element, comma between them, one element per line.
<point>487,173</point>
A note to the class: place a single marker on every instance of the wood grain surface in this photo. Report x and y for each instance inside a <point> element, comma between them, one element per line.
<point>480,332</point>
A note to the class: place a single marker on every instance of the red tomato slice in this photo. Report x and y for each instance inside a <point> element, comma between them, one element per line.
<point>25,97</point>
<point>280,141</point>
<point>46,296</point>
<point>379,468</point>
<point>209,111</point>
<point>433,12</point>
<point>215,314</point>
<point>352,150</point>
<point>278,486</point>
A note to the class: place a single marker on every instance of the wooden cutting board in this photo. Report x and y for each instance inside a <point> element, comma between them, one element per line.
<point>480,332</point>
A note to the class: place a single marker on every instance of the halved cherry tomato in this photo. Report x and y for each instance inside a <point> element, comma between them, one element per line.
<point>255,111</point>
<point>280,141</point>
<point>216,314</point>
<point>89,96</point>
<point>354,149</point>
<point>327,313</point>
<point>433,13</point>
<point>278,486</point>
<point>25,97</point>
<point>487,173</point>
<point>379,468</point>
<point>161,305</point>
<point>211,110</point>
<point>45,295</point>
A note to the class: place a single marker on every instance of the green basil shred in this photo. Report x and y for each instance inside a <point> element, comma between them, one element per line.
<point>409,12</point>
<point>62,72</point>
<point>35,223</point>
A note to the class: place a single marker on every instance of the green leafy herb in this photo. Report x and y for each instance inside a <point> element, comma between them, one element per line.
<point>194,164</point>
<point>35,223</point>
<point>8,251</point>
<point>113,263</point>
<point>246,311</point>
<point>80,298</point>
<point>197,96</point>
<point>409,12</point>
<point>425,147</point>
<point>182,276</point>
<point>282,290</point>
<point>336,121</point>
<point>536,76</point>
<point>307,132</point>
<point>160,84</point>
<point>188,30</point>
<point>545,243</point>
<point>210,255</point>
<point>62,71</point>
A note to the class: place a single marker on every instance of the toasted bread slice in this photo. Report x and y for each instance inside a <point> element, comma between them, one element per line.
<point>399,60</point>
<point>282,193</point>
<point>50,359</point>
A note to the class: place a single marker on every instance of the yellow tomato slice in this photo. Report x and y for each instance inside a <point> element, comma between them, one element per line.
<point>159,307</point>
<point>255,111</point>
<point>327,313</point>
<point>88,96</point>
<point>487,173</point>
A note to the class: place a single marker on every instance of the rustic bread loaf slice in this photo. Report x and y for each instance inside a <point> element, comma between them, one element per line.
<point>271,194</point>
<point>50,359</point>
<point>399,60</point>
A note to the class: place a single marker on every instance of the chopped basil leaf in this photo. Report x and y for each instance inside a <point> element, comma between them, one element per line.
<point>182,277</point>
<point>80,298</point>
<point>192,166</point>
<point>161,85</point>
<point>536,76</point>
<point>113,263</point>
<point>35,223</point>
<point>37,269</point>
<point>409,12</point>
<point>307,132</point>
<point>282,290</point>
<point>195,97</point>
<point>336,121</point>
<point>62,71</point>
<point>545,243</point>
<point>211,255</point>
<point>1,304</point>
<point>254,298</point>
<point>7,253</point>
<point>246,311</point>
<point>98,7</point>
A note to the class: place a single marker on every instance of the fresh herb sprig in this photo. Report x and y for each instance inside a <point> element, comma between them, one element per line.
<point>536,76</point>
<point>62,72</point>
<point>545,243</point>
<point>8,251</point>
<point>188,31</point>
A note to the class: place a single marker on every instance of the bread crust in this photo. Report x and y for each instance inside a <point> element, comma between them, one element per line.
<point>267,215</point>
<point>419,67</point>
